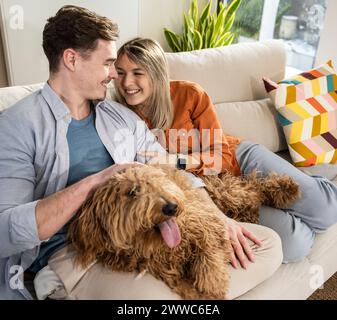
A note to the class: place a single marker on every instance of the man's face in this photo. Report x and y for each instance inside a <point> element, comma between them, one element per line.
<point>93,73</point>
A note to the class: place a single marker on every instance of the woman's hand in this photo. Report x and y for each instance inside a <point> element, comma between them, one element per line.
<point>238,236</point>
<point>192,160</point>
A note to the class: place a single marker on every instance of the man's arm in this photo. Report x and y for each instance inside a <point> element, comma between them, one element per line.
<point>53,212</point>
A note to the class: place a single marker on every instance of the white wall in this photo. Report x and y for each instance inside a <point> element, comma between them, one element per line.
<point>327,48</point>
<point>25,60</point>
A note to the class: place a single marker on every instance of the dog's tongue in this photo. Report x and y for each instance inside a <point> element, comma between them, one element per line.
<point>170,232</point>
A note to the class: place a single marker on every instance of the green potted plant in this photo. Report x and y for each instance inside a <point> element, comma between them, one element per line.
<point>209,30</point>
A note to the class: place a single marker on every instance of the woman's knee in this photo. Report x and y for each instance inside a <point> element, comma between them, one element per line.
<point>327,213</point>
<point>297,243</point>
<point>296,236</point>
<point>296,249</point>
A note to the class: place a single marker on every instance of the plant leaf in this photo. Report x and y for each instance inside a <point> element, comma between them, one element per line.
<point>208,34</point>
<point>205,12</point>
<point>219,25</point>
<point>229,23</point>
<point>230,14</point>
<point>188,33</point>
<point>233,7</point>
<point>221,40</point>
<point>172,40</point>
<point>197,40</point>
<point>211,29</point>
<point>229,40</point>
<point>194,13</point>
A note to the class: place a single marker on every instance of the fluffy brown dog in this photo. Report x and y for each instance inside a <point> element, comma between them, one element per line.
<point>240,197</point>
<point>150,219</point>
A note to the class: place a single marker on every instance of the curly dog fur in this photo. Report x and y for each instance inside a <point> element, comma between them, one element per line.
<point>240,197</point>
<point>151,219</point>
<point>123,225</point>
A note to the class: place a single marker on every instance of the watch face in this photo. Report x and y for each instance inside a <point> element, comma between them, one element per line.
<point>181,163</point>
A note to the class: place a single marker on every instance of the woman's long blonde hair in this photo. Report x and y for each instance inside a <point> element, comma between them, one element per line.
<point>149,55</point>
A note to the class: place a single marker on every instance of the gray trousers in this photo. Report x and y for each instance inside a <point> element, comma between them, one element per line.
<point>313,213</point>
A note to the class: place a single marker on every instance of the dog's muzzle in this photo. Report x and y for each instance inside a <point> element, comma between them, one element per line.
<point>170,209</point>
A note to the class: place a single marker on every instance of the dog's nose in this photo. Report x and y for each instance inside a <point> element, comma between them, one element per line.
<point>170,209</point>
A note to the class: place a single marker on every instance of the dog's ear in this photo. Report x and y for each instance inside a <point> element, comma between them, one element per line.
<point>87,232</point>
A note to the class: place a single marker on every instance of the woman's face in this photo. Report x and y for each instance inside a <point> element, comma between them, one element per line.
<point>133,82</point>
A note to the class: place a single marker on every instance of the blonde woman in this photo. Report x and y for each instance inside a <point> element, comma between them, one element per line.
<point>172,107</point>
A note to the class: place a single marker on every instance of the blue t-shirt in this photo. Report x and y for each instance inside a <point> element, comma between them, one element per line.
<point>87,155</point>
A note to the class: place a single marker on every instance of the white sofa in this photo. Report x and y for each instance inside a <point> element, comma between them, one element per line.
<point>232,76</point>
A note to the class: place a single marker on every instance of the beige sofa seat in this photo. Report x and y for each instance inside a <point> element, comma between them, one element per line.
<point>232,76</point>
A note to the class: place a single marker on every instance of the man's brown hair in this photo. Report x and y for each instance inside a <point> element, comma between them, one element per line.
<point>77,28</point>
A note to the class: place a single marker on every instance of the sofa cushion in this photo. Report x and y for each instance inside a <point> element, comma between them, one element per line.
<point>307,109</point>
<point>326,170</point>
<point>10,95</point>
<point>299,280</point>
<point>254,121</point>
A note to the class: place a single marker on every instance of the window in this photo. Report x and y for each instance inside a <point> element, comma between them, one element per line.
<point>296,22</point>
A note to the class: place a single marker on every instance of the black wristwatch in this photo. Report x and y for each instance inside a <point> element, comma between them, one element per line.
<point>181,161</point>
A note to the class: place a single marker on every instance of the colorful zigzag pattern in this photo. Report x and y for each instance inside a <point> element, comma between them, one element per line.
<point>307,110</point>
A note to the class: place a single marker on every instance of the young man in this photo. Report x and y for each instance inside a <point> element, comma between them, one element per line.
<point>60,143</point>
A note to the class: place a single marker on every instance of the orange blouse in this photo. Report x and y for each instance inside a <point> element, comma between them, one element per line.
<point>196,128</point>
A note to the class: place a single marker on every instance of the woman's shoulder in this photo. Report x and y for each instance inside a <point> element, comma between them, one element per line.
<point>185,86</point>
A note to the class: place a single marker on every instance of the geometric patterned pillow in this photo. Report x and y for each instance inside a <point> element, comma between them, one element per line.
<point>306,107</point>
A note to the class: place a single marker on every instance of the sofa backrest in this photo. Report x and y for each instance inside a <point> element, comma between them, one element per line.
<point>232,73</point>
<point>232,76</point>
<point>10,95</point>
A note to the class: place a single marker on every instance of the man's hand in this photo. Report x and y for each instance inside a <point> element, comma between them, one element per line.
<point>105,174</point>
<point>238,236</point>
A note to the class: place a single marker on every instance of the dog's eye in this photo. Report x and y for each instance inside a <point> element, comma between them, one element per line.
<point>133,192</point>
